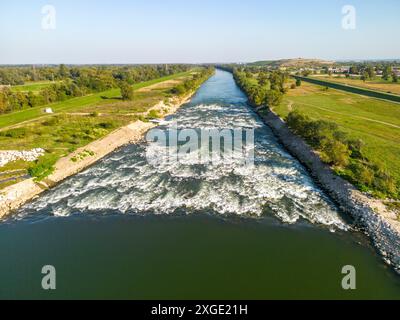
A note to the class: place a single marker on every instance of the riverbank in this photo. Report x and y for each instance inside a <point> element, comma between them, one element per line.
<point>369,214</point>
<point>13,197</point>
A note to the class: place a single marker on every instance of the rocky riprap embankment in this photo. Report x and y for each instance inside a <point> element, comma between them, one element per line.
<point>384,232</point>
<point>13,155</point>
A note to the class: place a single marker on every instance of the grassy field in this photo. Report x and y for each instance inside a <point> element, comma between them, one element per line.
<point>375,122</point>
<point>77,103</point>
<point>77,122</point>
<point>377,84</point>
<point>32,86</point>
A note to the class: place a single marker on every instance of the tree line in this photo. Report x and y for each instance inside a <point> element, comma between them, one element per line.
<point>192,84</point>
<point>369,72</point>
<point>262,88</point>
<point>74,81</point>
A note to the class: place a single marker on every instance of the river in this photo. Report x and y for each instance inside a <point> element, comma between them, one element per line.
<point>128,228</point>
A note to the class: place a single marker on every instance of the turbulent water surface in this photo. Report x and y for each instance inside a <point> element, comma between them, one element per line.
<point>191,228</point>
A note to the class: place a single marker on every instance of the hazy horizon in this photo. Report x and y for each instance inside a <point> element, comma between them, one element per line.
<point>177,31</point>
<point>191,63</point>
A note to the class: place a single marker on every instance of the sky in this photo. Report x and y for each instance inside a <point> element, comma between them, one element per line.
<point>195,31</point>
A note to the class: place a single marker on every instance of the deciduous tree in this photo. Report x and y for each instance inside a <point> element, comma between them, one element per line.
<point>126,91</point>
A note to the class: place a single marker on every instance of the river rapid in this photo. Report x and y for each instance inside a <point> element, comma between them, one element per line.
<point>129,228</point>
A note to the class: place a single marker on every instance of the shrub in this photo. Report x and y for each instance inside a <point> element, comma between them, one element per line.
<point>42,167</point>
<point>17,133</point>
<point>106,125</point>
<point>384,182</point>
<point>273,98</point>
<point>127,92</point>
<point>178,90</point>
<point>336,153</point>
<point>362,174</point>
<point>153,114</point>
<point>355,147</point>
<point>51,121</point>
<point>297,121</point>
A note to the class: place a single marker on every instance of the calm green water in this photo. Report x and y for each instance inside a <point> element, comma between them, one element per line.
<point>191,230</point>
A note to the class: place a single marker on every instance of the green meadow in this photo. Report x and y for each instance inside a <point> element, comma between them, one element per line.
<point>375,122</point>
<point>77,103</point>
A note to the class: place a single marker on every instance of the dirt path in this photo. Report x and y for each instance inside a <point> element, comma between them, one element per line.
<point>21,124</point>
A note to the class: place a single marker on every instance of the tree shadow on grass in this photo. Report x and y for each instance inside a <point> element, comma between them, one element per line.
<point>111,98</point>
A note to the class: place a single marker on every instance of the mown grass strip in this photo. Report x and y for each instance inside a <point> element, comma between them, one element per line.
<point>33,86</point>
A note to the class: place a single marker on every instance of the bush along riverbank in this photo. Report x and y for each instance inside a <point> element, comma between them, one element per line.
<point>193,84</point>
<point>322,148</point>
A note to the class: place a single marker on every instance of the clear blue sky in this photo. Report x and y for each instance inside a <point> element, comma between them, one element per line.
<point>152,31</point>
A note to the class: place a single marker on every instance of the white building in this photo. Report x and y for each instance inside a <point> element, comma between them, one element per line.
<point>48,110</point>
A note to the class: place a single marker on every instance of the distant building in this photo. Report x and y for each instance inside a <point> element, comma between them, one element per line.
<point>48,110</point>
<point>345,69</point>
<point>339,69</point>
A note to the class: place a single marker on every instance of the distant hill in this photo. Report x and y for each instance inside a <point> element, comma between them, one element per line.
<point>297,63</point>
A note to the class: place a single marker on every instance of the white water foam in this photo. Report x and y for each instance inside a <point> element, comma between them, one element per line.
<point>125,182</point>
